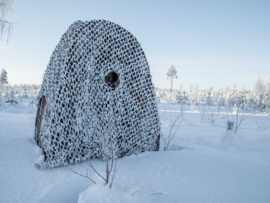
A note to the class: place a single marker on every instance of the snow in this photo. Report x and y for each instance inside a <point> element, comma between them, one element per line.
<point>203,164</point>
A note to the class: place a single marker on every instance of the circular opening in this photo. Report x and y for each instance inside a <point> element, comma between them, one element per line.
<point>112,77</point>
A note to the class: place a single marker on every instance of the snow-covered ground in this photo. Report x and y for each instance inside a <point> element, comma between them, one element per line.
<point>203,164</point>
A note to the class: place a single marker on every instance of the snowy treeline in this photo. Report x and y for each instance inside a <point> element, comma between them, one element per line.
<point>243,99</point>
<point>18,94</point>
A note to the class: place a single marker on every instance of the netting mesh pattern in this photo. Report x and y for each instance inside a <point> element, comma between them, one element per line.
<point>80,102</point>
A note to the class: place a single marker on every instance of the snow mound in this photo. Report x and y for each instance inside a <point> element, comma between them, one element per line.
<point>19,109</point>
<point>233,142</point>
<point>104,194</point>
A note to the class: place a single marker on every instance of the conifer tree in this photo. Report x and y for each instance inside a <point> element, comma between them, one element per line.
<point>267,96</point>
<point>171,74</point>
<point>208,98</point>
<point>3,78</point>
<point>259,104</point>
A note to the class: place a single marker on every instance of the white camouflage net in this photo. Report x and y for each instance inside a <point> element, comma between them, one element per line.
<point>79,99</point>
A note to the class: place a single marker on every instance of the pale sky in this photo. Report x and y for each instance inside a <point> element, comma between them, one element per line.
<point>215,43</point>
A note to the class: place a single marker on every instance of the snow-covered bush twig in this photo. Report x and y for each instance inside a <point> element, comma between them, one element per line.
<point>167,140</point>
<point>88,176</point>
<point>109,155</point>
<point>239,119</point>
<point>203,110</point>
<point>258,124</point>
<point>182,110</point>
<point>212,115</point>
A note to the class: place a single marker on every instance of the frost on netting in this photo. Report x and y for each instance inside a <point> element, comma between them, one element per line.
<point>96,65</point>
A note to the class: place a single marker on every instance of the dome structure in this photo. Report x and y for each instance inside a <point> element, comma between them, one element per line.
<point>97,82</point>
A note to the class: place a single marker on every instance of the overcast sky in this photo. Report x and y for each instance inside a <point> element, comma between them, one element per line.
<point>215,43</point>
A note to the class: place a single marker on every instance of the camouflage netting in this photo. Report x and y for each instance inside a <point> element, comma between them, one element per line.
<point>97,75</point>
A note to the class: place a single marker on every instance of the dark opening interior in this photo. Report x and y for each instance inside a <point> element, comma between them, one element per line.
<point>112,77</point>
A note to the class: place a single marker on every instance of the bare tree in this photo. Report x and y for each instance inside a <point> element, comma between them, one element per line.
<point>212,115</point>
<point>191,93</point>
<point>239,118</point>
<point>109,154</point>
<point>6,27</point>
<point>203,111</point>
<point>196,92</point>
<point>259,86</point>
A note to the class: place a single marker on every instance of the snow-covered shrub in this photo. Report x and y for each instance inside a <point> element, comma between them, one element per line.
<point>11,100</point>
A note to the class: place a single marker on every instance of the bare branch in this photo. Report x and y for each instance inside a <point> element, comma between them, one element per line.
<point>96,171</point>
<point>258,124</point>
<point>132,194</point>
<point>171,136</point>
<point>115,171</point>
<point>239,119</point>
<point>159,193</point>
<point>110,155</point>
<point>212,115</point>
<point>87,176</point>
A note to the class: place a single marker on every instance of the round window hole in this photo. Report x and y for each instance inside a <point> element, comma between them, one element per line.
<point>112,79</point>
